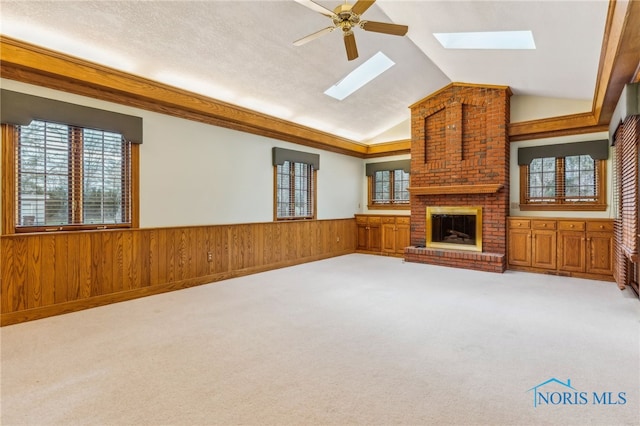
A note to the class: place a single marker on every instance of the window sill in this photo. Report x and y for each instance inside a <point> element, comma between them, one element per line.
<point>389,206</point>
<point>68,228</point>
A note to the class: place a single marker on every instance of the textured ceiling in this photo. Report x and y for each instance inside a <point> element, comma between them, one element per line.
<point>241,51</point>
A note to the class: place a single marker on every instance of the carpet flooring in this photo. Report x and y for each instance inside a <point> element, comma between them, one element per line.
<point>352,340</point>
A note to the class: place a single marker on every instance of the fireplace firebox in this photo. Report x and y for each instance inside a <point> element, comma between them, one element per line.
<point>454,228</point>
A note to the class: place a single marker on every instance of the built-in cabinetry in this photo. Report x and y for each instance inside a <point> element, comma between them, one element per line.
<point>383,234</point>
<point>575,247</point>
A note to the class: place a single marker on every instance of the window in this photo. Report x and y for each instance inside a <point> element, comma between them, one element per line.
<point>69,177</point>
<point>574,182</point>
<point>294,184</point>
<point>295,191</point>
<point>388,185</point>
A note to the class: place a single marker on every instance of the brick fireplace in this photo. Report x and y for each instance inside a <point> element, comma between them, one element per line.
<point>460,159</point>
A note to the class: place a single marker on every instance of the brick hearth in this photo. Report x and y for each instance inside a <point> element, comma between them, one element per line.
<point>460,157</point>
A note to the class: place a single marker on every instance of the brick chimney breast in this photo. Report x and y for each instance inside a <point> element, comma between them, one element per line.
<point>460,157</point>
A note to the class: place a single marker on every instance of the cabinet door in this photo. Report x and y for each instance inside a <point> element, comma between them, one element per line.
<point>403,237</point>
<point>520,247</point>
<point>363,236</point>
<point>543,249</point>
<point>389,238</point>
<point>600,253</point>
<point>571,247</point>
<point>375,237</point>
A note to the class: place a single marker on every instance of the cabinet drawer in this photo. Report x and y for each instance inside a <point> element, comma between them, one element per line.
<point>374,220</point>
<point>391,220</point>
<point>571,225</point>
<point>519,223</point>
<point>543,224</point>
<point>604,226</point>
<point>361,220</point>
<point>403,220</point>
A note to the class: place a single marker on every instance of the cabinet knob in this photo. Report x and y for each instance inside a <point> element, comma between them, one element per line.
<point>544,225</point>
<point>570,226</point>
<point>601,226</point>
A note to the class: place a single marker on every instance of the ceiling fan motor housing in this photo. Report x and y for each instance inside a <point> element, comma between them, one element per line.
<point>345,18</point>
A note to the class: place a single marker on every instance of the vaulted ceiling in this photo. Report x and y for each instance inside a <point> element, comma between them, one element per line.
<point>242,52</point>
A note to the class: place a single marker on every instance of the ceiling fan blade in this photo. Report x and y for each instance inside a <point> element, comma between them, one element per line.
<point>350,45</point>
<point>383,27</point>
<point>313,36</point>
<point>316,7</point>
<point>361,6</point>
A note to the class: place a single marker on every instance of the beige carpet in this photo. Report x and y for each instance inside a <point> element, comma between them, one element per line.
<point>351,340</point>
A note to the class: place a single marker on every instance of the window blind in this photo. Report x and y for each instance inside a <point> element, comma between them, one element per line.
<point>68,175</point>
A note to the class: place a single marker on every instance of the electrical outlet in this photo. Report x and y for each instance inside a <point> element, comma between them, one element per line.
<point>209,257</point>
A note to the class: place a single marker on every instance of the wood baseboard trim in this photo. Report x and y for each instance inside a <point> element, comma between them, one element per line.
<point>94,302</point>
<point>599,277</point>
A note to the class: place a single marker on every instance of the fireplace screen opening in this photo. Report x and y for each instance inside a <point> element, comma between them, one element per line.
<point>456,228</point>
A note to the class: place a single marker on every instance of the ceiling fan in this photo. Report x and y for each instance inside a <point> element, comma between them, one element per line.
<point>346,17</point>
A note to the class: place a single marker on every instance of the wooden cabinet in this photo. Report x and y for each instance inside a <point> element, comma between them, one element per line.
<point>577,247</point>
<point>369,238</point>
<point>532,243</point>
<point>599,248</point>
<point>543,249</point>
<point>382,234</point>
<point>395,234</point>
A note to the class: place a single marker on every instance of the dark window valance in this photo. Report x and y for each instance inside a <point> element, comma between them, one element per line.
<point>628,105</point>
<point>372,168</point>
<point>280,155</point>
<point>598,150</point>
<point>20,109</point>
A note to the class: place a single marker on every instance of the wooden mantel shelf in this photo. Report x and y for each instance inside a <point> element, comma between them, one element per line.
<point>457,189</point>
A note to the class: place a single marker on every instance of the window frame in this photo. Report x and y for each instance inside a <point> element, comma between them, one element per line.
<point>392,204</point>
<point>600,167</point>
<point>314,192</point>
<point>10,180</point>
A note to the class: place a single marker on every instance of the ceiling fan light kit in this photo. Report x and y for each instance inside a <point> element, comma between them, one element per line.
<point>346,17</point>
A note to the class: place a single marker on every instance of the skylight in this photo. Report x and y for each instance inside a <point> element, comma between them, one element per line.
<point>487,40</point>
<point>362,75</point>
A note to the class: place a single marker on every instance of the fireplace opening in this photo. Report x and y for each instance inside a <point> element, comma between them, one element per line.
<point>456,228</point>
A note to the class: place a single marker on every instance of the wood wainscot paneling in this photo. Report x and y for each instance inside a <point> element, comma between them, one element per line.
<point>46,274</point>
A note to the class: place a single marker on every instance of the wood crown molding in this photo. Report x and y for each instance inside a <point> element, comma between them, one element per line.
<point>385,149</point>
<point>458,84</point>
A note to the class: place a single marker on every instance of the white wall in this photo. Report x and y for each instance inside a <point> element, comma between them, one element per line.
<point>365,196</point>
<point>197,174</point>
<point>515,178</point>
<point>524,108</point>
